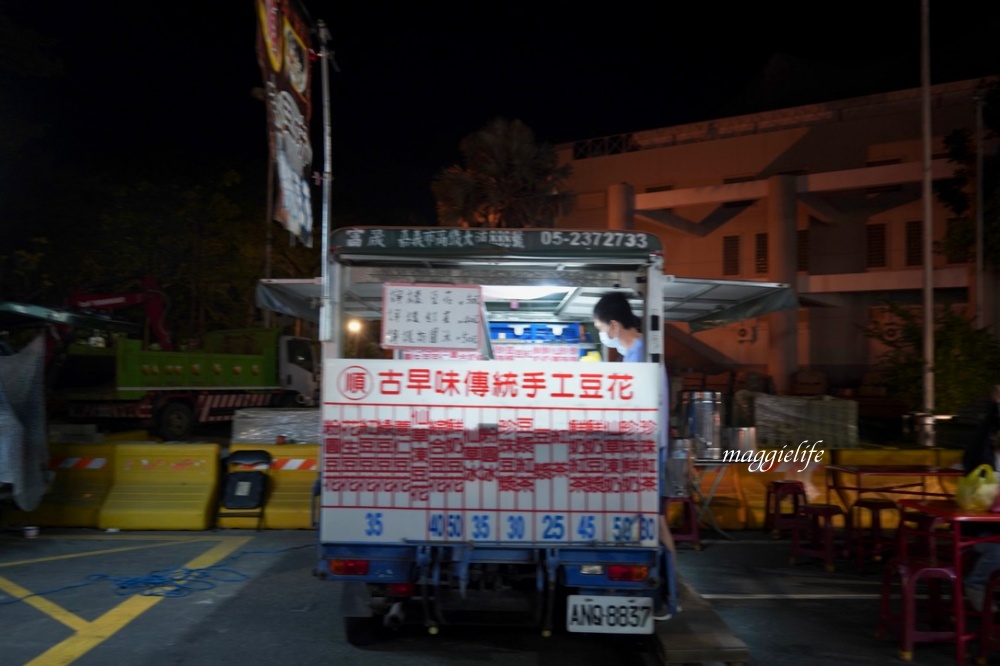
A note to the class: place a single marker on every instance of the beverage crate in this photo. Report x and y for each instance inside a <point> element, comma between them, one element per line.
<point>556,332</point>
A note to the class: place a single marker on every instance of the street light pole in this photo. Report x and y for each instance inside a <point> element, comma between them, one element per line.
<point>979,210</point>
<point>927,417</point>
<point>325,56</point>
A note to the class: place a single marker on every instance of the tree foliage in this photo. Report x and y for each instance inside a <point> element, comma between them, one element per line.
<point>505,179</point>
<point>202,239</point>
<point>957,193</point>
<point>966,359</point>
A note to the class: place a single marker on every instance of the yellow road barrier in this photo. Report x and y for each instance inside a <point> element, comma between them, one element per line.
<point>82,475</point>
<point>162,487</point>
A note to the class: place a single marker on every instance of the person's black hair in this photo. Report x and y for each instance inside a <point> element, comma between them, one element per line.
<point>614,306</point>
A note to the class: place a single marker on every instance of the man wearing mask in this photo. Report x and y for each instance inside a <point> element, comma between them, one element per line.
<point>620,329</point>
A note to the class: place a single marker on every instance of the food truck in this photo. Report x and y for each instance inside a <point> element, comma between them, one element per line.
<point>495,466</point>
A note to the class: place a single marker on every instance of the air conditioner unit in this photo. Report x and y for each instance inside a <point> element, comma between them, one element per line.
<point>746,333</point>
<point>888,322</point>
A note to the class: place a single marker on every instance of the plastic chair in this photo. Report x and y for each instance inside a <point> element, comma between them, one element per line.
<point>687,529</point>
<point>923,561</point>
<point>874,541</point>
<point>245,491</point>
<point>989,640</point>
<point>778,494</point>
<point>913,623</point>
<point>816,536</point>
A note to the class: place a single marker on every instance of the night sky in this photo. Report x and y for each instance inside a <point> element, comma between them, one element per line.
<point>157,85</point>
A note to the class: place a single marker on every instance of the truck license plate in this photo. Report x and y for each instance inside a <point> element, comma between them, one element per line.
<point>609,615</point>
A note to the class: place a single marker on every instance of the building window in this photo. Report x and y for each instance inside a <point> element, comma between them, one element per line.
<point>760,254</point>
<point>915,243</point>
<point>876,246</point>
<point>802,250</point>
<point>730,255</point>
<point>884,162</point>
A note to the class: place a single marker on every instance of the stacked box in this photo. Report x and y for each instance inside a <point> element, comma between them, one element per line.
<point>270,426</point>
<point>554,332</point>
<point>790,420</point>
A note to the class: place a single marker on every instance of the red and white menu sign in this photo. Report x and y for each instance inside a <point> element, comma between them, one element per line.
<point>489,451</point>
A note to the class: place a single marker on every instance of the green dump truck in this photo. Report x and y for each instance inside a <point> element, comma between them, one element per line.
<point>114,377</point>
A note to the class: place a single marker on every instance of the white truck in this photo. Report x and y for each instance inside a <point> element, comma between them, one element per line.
<point>484,471</point>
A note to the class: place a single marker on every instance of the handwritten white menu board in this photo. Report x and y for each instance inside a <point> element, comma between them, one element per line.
<point>431,316</point>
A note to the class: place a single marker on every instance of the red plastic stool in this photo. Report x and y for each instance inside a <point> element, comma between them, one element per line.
<point>688,529</point>
<point>989,637</point>
<point>817,526</point>
<point>930,622</point>
<point>778,493</point>
<point>875,541</point>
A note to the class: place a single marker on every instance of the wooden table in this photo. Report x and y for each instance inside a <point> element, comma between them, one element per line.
<point>954,518</point>
<point>844,478</point>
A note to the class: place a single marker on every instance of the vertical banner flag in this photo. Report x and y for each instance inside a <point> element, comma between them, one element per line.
<point>284,32</point>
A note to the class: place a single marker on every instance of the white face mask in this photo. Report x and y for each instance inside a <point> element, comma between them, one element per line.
<point>614,343</point>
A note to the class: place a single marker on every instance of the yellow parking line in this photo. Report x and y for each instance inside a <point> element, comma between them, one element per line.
<point>106,551</point>
<point>74,622</point>
<point>122,536</point>
<point>96,632</point>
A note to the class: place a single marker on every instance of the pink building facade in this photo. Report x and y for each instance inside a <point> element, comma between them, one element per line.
<point>825,197</point>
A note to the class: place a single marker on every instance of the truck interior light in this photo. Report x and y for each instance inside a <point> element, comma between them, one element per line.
<point>521,293</point>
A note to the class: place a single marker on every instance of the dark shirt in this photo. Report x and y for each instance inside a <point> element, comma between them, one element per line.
<point>980,449</point>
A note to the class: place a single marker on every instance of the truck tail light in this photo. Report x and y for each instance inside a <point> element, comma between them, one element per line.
<point>349,567</point>
<point>401,589</point>
<point>633,573</point>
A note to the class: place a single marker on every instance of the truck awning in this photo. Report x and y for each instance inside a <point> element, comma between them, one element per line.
<point>705,303</point>
<point>701,303</point>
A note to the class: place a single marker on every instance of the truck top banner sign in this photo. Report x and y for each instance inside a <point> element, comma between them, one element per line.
<point>503,242</point>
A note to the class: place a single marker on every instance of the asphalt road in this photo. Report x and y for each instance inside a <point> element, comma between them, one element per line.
<point>254,601</point>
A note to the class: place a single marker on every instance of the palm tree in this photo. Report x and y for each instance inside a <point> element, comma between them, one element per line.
<point>506,180</point>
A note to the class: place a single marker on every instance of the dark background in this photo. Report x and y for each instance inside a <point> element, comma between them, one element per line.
<point>163,87</point>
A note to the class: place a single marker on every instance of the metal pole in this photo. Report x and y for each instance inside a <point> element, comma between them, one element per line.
<point>927,429</point>
<point>979,210</point>
<point>268,229</point>
<point>324,319</point>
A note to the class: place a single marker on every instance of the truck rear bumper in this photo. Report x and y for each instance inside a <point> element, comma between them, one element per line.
<point>464,584</point>
<point>595,569</point>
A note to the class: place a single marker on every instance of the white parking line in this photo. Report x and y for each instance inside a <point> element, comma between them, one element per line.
<point>803,596</point>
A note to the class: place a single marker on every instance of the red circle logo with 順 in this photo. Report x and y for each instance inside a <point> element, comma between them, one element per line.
<point>355,382</point>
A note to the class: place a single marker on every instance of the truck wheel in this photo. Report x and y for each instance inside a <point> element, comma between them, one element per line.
<point>175,421</point>
<point>360,631</point>
<point>288,400</point>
